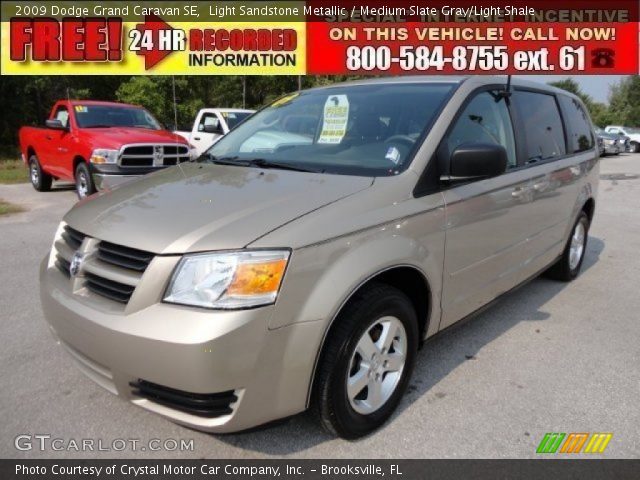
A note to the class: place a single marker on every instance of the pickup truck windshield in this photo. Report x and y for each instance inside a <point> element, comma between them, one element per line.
<point>97,116</point>
<point>234,118</point>
<point>368,130</point>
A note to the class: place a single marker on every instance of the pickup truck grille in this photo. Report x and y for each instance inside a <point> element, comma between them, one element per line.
<point>136,156</point>
<point>109,270</point>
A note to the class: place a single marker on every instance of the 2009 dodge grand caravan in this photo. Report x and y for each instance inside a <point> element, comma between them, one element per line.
<point>302,260</point>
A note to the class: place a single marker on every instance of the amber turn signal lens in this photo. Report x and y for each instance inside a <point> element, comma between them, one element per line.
<point>257,278</point>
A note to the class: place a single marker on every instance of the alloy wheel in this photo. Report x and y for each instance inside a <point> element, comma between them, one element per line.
<point>576,249</point>
<point>376,365</point>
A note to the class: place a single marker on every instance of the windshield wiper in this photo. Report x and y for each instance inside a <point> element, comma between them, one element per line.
<point>99,126</point>
<point>258,162</point>
<point>263,163</point>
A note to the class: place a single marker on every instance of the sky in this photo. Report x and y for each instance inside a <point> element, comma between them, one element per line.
<point>597,86</point>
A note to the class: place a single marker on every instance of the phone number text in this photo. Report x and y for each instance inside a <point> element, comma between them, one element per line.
<point>463,58</point>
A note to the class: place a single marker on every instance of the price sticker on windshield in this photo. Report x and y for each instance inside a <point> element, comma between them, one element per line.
<point>336,116</point>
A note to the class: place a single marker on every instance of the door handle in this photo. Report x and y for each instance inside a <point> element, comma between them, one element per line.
<point>196,138</point>
<point>49,138</point>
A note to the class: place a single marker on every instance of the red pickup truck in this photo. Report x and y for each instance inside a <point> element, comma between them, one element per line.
<point>98,145</point>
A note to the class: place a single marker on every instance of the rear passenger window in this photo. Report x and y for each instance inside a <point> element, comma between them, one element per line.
<point>485,120</point>
<point>542,125</point>
<point>578,124</point>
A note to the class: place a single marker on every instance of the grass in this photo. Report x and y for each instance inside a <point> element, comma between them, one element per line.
<point>13,171</point>
<point>7,208</point>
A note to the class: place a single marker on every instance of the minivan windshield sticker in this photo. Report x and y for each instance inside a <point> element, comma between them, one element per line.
<point>393,155</point>
<point>336,115</point>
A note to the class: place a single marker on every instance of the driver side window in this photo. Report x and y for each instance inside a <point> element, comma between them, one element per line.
<point>62,114</point>
<point>485,120</point>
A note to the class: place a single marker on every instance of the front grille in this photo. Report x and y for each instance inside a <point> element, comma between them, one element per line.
<point>116,291</point>
<point>63,265</point>
<point>209,405</point>
<point>72,237</point>
<point>124,257</point>
<point>108,270</point>
<point>145,155</point>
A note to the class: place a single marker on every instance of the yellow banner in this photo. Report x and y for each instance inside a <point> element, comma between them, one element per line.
<point>40,40</point>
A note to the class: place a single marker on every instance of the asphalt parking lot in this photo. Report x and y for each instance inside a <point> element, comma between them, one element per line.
<point>550,357</point>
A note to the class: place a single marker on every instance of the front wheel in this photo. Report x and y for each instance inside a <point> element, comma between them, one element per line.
<point>40,180</point>
<point>635,147</point>
<point>84,182</point>
<point>568,266</point>
<point>367,362</point>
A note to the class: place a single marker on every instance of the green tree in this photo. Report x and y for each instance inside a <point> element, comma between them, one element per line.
<point>623,102</point>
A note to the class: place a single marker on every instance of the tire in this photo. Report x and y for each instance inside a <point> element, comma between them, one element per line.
<point>568,266</point>
<point>40,180</point>
<point>84,182</point>
<point>362,323</point>
<point>635,147</point>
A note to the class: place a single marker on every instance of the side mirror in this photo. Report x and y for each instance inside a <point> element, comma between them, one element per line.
<point>55,124</point>
<point>474,161</point>
<point>210,128</point>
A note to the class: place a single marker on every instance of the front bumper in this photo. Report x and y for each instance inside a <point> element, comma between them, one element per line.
<point>188,349</point>
<point>612,149</point>
<point>105,181</point>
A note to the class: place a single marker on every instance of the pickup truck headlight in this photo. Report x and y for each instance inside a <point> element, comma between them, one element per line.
<point>193,152</point>
<point>104,155</point>
<point>228,281</point>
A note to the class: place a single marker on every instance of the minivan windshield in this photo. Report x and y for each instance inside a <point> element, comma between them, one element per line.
<point>368,130</point>
<point>103,116</point>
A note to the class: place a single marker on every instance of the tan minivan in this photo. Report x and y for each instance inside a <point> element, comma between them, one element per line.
<point>303,259</point>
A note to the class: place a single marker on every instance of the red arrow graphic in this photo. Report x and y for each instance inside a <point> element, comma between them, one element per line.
<point>152,56</point>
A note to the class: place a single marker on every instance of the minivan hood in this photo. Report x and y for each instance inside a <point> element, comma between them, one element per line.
<point>116,137</point>
<point>199,207</point>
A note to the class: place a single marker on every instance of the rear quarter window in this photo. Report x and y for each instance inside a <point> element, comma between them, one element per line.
<point>542,125</point>
<point>578,125</point>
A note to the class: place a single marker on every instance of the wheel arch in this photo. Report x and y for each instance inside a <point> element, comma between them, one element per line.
<point>409,279</point>
<point>589,208</point>
<point>77,160</point>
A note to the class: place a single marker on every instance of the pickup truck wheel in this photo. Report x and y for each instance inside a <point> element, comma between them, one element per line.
<point>40,180</point>
<point>84,182</point>
<point>635,147</point>
<point>367,362</point>
<point>568,266</point>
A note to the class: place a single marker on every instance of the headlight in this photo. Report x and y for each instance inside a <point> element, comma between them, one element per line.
<point>103,155</point>
<point>609,142</point>
<point>193,152</point>
<point>228,280</point>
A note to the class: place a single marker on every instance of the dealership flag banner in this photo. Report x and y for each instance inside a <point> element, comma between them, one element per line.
<point>319,37</point>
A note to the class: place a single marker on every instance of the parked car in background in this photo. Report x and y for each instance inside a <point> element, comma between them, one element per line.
<point>304,258</point>
<point>211,124</point>
<point>600,145</point>
<point>612,144</point>
<point>633,134</point>
<point>98,145</point>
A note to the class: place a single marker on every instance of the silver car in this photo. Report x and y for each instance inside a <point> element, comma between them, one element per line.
<point>304,259</point>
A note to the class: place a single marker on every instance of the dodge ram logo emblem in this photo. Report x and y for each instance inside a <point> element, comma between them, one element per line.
<point>76,264</point>
<point>157,154</point>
